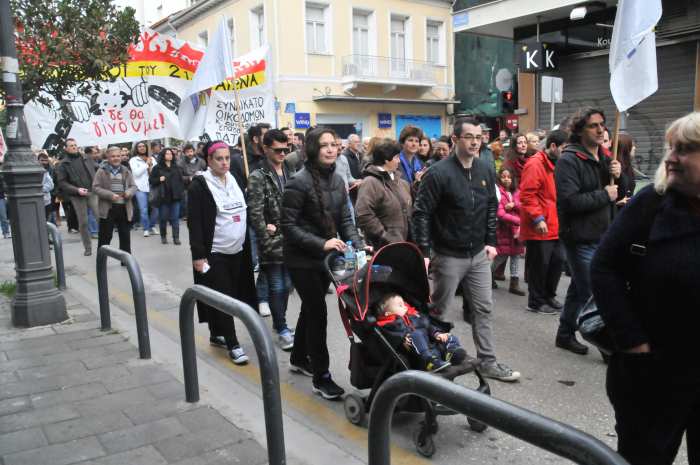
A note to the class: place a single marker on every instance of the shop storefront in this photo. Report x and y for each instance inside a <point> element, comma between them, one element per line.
<point>579,53</point>
<point>582,49</point>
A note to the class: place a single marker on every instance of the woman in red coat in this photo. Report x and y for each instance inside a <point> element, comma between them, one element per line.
<point>508,229</point>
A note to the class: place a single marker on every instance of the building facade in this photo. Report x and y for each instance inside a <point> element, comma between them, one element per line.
<point>580,41</point>
<point>361,67</point>
<point>149,12</point>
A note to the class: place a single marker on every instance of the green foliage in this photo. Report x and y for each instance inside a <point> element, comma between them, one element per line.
<point>8,288</point>
<point>61,43</point>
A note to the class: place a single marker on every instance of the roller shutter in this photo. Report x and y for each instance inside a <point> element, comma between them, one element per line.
<point>586,82</point>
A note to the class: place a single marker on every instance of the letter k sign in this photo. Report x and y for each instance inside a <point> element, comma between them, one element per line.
<point>530,62</point>
<point>548,62</point>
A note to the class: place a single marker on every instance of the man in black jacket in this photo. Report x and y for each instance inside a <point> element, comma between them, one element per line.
<point>585,198</point>
<point>455,211</point>
<point>74,175</point>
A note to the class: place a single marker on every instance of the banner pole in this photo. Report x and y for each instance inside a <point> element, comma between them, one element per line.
<point>228,56</point>
<point>616,137</point>
<point>241,137</point>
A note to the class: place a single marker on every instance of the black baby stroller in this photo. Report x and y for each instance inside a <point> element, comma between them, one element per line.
<point>398,268</point>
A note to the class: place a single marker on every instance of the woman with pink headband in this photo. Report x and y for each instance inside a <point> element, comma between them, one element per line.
<point>221,255</point>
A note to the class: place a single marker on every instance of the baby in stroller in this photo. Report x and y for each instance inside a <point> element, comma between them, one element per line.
<point>404,326</point>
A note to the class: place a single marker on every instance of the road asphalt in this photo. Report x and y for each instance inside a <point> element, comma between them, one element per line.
<point>557,384</point>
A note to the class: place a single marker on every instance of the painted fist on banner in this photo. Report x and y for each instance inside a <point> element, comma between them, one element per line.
<point>139,94</point>
<point>79,111</point>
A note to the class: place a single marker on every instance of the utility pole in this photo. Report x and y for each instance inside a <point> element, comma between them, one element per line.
<point>37,300</point>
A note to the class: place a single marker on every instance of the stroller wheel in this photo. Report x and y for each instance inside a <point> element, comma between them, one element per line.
<point>424,442</point>
<point>354,409</point>
<point>476,425</point>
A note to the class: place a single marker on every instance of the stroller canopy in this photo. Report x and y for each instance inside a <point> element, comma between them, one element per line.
<point>397,267</point>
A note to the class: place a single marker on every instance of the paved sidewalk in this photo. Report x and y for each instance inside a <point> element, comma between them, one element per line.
<point>70,393</point>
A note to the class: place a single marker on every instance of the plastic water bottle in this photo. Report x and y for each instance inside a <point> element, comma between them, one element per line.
<point>349,257</point>
<point>360,259</point>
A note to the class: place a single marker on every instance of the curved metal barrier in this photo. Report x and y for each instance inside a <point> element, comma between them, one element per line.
<point>58,253</point>
<point>136,288</point>
<point>545,433</point>
<point>264,347</point>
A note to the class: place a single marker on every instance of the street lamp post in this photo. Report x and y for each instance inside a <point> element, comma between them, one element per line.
<point>36,301</point>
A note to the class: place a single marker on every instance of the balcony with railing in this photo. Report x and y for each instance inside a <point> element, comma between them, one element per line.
<point>393,72</point>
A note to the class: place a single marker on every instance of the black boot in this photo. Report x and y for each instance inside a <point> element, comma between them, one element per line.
<point>163,239</point>
<point>176,234</point>
<point>571,344</point>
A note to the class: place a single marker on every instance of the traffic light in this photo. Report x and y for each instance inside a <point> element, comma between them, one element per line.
<point>506,102</point>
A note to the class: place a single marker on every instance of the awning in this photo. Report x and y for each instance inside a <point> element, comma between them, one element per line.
<point>412,101</point>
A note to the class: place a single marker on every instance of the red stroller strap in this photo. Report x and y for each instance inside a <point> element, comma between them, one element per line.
<point>344,317</point>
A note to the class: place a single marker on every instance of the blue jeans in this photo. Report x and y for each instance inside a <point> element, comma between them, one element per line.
<point>92,222</point>
<point>579,257</point>
<point>147,221</point>
<point>278,293</point>
<point>170,212</point>
<point>4,224</point>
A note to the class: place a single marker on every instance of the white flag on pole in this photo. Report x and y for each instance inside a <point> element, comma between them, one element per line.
<point>633,75</point>
<point>214,68</point>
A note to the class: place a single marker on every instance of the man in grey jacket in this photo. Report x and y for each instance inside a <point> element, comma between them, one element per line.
<point>74,176</point>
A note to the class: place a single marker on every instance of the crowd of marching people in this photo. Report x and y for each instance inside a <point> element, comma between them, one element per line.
<point>540,204</point>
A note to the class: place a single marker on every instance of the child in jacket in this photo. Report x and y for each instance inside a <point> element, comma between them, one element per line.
<point>435,348</point>
<point>508,241</point>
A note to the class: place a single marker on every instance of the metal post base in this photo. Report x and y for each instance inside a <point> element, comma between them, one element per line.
<point>38,308</point>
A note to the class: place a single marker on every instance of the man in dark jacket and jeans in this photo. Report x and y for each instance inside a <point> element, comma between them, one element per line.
<point>455,212</point>
<point>585,198</point>
<point>75,175</point>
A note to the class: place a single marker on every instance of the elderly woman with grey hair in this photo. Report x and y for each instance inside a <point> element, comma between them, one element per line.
<point>645,282</point>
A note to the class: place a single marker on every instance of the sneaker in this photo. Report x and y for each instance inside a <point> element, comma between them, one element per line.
<point>436,364</point>
<point>87,253</point>
<point>555,304</point>
<point>264,309</point>
<point>327,388</point>
<point>177,242</point>
<point>146,233</point>
<point>154,231</point>
<point>286,340</point>
<point>500,372</point>
<point>238,356</point>
<point>163,240</point>
<point>542,310</point>
<point>6,236</point>
<point>217,341</point>
<point>571,344</point>
<point>303,368</point>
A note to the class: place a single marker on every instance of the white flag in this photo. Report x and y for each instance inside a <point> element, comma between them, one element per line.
<point>3,146</point>
<point>214,68</point>
<point>633,75</point>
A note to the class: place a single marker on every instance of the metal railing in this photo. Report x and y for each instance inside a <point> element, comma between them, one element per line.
<point>137,290</point>
<point>58,253</point>
<point>264,347</point>
<point>370,66</point>
<point>545,433</point>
